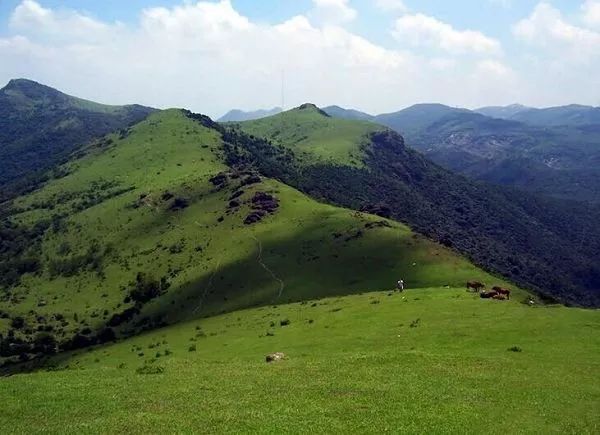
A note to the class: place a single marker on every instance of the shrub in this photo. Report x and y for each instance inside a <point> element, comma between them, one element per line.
<point>149,370</point>
<point>515,349</point>
<point>192,348</point>
<point>284,322</point>
<point>17,322</point>
<point>146,288</point>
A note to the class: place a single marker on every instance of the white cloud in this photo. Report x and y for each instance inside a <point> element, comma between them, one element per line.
<point>547,28</point>
<point>560,59</point>
<point>208,57</point>
<point>425,31</point>
<point>32,18</point>
<point>591,13</point>
<point>328,12</point>
<point>391,5</point>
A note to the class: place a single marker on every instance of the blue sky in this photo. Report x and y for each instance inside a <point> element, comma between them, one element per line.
<point>375,55</point>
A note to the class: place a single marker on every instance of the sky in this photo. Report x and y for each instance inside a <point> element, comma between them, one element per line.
<point>379,56</point>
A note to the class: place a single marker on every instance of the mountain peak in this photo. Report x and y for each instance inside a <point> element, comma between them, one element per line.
<point>24,84</point>
<point>312,108</point>
<point>31,90</point>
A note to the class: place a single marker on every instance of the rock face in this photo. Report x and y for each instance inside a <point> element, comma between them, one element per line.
<point>262,204</point>
<point>264,201</point>
<point>274,357</point>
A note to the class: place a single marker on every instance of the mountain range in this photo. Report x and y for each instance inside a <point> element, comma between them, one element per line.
<point>554,152</point>
<point>178,217</point>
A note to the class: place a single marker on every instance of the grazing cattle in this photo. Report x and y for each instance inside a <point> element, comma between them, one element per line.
<point>502,291</point>
<point>499,297</point>
<point>475,285</point>
<point>488,295</point>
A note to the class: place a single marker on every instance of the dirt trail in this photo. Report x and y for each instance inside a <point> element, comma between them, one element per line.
<point>208,286</point>
<point>265,267</point>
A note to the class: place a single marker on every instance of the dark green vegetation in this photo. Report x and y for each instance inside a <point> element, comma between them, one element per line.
<point>424,361</point>
<point>547,245</point>
<point>40,126</point>
<point>546,158</point>
<point>159,225</point>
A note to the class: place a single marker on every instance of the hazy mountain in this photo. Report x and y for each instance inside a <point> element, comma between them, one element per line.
<point>415,118</point>
<point>572,115</point>
<point>341,113</point>
<point>39,126</point>
<point>561,161</point>
<point>502,112</point>
<point>236,115</point>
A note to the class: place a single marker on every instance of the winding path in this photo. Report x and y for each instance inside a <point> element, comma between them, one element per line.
<point>265,267</point>
<point>208,286</point>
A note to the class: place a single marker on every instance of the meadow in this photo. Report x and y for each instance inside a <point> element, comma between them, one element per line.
<point>429,360</point>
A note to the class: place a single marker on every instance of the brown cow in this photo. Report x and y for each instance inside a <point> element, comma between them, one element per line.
<point>499,297</point>
<point>505,292</point>
<point>475,285</point>
<point>488,295</point>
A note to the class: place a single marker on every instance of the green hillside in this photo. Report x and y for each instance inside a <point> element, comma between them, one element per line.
<point>313,135</point>
<point>40,126</point>
<point>428,360</point>
<point>150,227</point>
<point>546,245</point>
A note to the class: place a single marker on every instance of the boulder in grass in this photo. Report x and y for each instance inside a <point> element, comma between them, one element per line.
<point>275,357</point>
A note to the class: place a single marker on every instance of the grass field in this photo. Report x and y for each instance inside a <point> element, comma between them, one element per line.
<point>428,360</point>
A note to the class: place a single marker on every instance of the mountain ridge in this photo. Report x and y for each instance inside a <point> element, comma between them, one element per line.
<point>40,126</point>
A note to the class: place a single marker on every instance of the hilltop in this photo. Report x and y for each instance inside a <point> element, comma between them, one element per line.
<point>40,126</point>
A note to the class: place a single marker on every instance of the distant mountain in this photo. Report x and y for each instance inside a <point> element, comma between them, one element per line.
<point>554,160</point>
<point>341,113</point>
<point>502,112</point>
<point>574,115</point>
<point>39,126</point>
<point>239,115</point>
<point>415,118</point>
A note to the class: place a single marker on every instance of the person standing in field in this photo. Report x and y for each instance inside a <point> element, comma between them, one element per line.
<point>400,285</point>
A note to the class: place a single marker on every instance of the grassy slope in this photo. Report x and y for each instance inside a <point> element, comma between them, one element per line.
<point>358,367</point>
<point>306,130</point>
<point>314,249</point>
